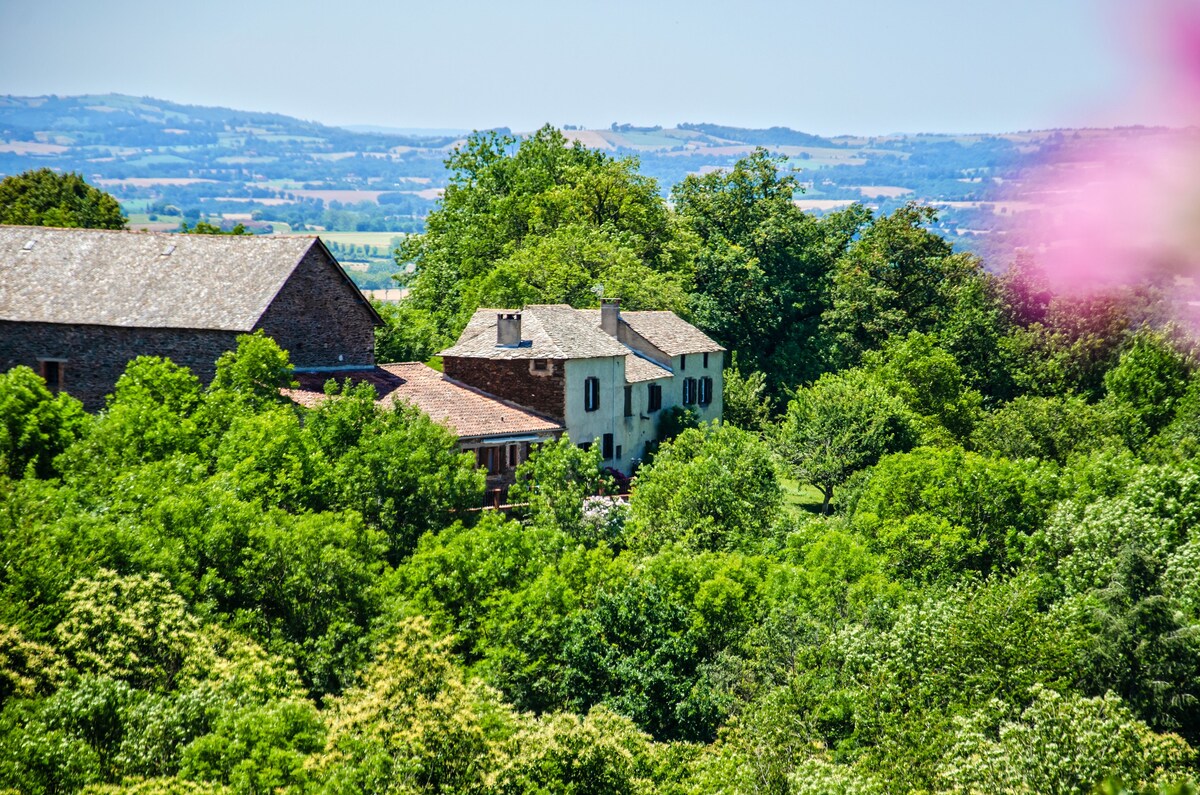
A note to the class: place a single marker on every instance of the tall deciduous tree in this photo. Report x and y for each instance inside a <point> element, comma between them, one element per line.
<point>841,424</point>
<point>712,487</point>
<point>763,269</point>
<point>46,198</point>
<point>896,278</point>
<point>544,221</point>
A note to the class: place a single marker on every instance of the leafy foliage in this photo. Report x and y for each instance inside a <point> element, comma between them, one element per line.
<point>45,198</point>
<point>209,589</point>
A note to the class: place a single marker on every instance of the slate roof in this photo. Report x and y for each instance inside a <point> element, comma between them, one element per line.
<point>553,331</point>
<point>669,333</point>
<point>142,279</point>
<point>469,412</point>
<point>639,369</point>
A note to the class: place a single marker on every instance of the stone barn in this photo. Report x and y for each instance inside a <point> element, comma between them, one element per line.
<point>77,304</point>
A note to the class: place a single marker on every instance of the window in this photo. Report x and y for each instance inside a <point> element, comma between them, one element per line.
<point>584,446</point>
<point>618,451</point>
<point>706,387</point>
<point>689,391</point>
<point>541,365</point>
<point>683,362</point>
<point>606,445</point>
<point>706,361</point>
<point>654,397</point>
<point>486,458</point>
<point>591,393</point>
<point>52,373</point>
<point>628,401</point>
<point>513,455</point>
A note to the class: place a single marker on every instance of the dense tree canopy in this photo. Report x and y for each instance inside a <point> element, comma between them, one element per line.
<point>545,222</point>
<point>46,198</point>
<point>946,539</point>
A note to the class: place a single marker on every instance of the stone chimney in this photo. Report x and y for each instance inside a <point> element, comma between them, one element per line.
<point>610,315</point>
<point>508,329</point>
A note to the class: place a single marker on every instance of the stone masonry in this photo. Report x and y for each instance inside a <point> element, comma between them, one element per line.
<point>318,317</point>
<point>516,380</point>
<point>95,356</point>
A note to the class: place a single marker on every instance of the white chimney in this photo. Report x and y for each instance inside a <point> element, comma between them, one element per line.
<point>610,315</point>
<point>508,329</point>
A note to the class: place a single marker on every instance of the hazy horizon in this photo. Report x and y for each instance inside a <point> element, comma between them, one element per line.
<point>871,69</point>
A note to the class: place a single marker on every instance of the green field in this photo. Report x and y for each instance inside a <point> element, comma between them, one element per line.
<point>376,239</point>
<point>799,498</point>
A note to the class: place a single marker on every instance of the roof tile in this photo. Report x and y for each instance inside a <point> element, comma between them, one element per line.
<point>469,412</point>
<point>142,279</point>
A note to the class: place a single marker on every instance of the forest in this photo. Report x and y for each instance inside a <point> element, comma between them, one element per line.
<point>945,539</point>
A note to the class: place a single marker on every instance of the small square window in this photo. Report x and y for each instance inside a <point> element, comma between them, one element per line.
<point>541,365</point>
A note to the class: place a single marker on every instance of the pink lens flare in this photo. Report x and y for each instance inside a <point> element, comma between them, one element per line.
<point>1122,207</point>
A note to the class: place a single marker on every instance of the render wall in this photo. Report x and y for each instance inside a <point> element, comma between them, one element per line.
<point>320,318</point>
<point>695,369</point>
<point>516,380</point>
<point>95,356</point>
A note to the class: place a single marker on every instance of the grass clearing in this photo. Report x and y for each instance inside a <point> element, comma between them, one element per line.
<point>800,498</point>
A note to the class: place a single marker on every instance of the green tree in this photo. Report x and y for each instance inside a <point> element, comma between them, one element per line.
<point>35,426</point>
<point>744,400</point>
<point>1094,739</point>
<point>1149,379</point>
<point>601,754</point>
<point>897,277</point>
<point>841,424</point>
<point>45,198</point>
<point>1050,428</point>
<point>714,487</point>
<point>205,228</point>
<point>762,274</point>
<point>930,382</point>
<point>554,482</point>
<point>415,724</point>
<point>133,628</point>
<point>937,512</point>
<point>544,221</point>
<point>407,334</point>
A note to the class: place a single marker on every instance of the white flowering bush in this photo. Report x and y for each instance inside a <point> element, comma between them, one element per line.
<point>1059,744</point>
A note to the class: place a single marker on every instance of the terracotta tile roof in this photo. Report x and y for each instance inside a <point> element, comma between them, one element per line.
<point>469,412</point>
<point>142,279</point>
<point>639,369</point>
<point>553,331</point>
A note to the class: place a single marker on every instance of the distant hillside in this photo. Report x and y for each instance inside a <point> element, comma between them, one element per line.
<point>363,186</point>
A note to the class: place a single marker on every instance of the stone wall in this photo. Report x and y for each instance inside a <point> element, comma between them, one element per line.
<point>515,380</point>
<point>95,356</point>
<point>320,318</point>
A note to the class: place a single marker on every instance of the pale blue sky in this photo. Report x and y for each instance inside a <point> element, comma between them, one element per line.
<point>829,67</point>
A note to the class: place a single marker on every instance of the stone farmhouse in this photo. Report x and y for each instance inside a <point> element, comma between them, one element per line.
<point>77,304</point>
<point>607,376</point>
